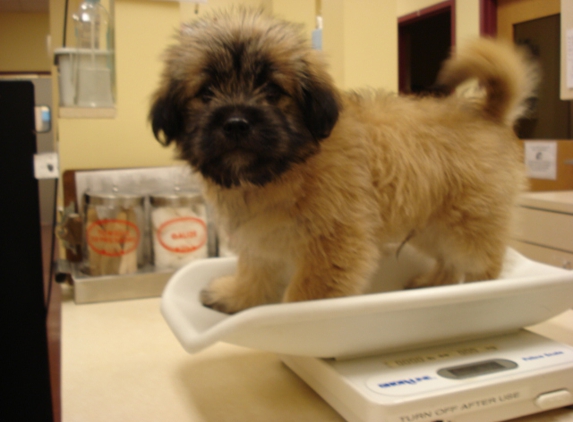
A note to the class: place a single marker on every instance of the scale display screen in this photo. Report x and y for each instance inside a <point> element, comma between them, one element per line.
<point>477,369</point>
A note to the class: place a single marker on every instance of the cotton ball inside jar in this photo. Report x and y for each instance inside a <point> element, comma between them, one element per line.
<point>179,235</point>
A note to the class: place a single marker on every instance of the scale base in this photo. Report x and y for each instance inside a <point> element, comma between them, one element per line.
<point>487,380</point>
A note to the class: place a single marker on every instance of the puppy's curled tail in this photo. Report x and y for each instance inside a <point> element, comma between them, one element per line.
<point>506,72</point>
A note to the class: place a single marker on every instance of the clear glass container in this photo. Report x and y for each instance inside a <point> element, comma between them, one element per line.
<point>92,25</point>
<point>93,58</point>
<point>114,233</point>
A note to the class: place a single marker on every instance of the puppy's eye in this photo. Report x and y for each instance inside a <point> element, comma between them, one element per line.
<point>273,93</point>
<point>205,94</point>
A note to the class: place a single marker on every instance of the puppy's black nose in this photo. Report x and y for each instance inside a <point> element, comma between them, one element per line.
<point>236,126</point>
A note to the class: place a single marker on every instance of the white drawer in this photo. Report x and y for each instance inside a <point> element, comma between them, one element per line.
<point>545,228</point>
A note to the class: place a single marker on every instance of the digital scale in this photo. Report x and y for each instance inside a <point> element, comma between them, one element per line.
<point>463,354</point>
<point>493,379</point>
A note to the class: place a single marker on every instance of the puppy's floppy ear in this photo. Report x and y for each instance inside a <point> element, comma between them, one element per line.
<point>320,105</point>
<point>167,113</point>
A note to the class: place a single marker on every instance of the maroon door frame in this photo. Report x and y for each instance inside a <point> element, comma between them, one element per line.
<point>488,18</point>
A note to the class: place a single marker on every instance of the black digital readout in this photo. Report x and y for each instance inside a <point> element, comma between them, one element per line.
<point>477,369</point>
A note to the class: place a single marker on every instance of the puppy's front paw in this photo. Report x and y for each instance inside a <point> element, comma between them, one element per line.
<point>220,296</point>
<point>438,276</point>
<point>417,283</point>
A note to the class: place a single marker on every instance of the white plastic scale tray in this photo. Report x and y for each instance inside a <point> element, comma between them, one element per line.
<point>527,293</point>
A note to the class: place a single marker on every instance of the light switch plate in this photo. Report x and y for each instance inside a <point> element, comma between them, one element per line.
<point>46,165</point>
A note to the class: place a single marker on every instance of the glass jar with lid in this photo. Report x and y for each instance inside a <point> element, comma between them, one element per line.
<point>179,228</point>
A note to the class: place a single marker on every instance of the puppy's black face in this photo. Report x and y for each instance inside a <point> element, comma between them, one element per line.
<point>244,99</point>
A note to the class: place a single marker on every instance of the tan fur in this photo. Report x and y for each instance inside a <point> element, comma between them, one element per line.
<point>443,173</point>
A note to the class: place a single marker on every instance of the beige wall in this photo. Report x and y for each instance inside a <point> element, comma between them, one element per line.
<point>361,41</point>
<point>143,29</point>
<point>467,20</point>
<point>301,11</point>
<point>23,46</point>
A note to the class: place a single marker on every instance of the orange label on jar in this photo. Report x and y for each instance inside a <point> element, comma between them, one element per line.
<point>112,237</point>
<point>182,235</point>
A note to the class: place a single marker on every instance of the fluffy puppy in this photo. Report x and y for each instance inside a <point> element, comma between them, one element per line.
<point>309,182</point>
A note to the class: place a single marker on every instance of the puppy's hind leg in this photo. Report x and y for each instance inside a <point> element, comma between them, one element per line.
<point>487,267</point>
<point>334,266</point>
<point>441,274</point>
<point>256,282</point>
<point>479,253</point>
<point>473,256</point>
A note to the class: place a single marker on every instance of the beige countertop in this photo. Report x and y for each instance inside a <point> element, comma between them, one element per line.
<point>120,362</point>
<point>557,201</point>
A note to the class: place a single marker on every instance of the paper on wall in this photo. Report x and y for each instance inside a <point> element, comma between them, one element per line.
<point>541,159</point>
